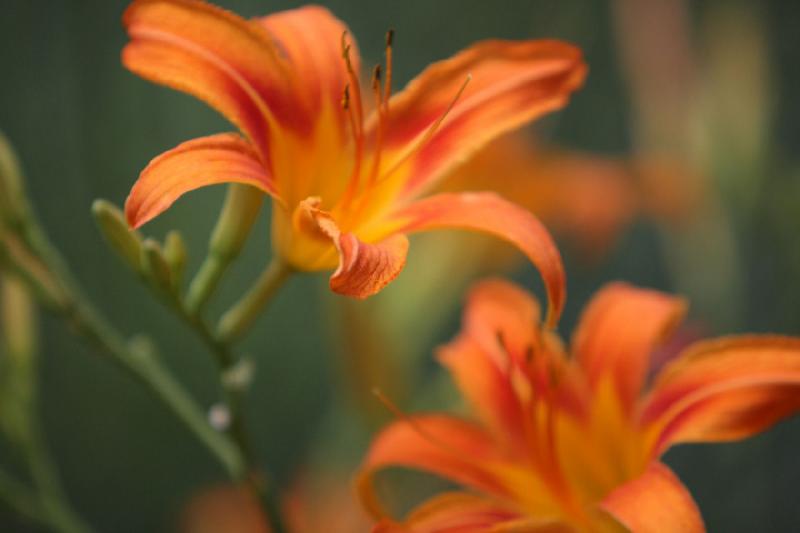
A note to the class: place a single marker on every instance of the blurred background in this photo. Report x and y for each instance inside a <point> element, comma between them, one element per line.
<point>675,167</point>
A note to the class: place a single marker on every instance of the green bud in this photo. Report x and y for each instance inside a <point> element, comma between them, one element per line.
<point>240,211</point>
<point>236,219</point>
<point>175,254</point>
<point>17,364</point>
<point>155,266</point>
<point>112,224</point>
<point>18,319</point>
<point>13,203</point>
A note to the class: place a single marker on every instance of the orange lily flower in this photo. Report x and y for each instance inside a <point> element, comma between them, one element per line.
<point>346,184</point>
<point>573,443</point>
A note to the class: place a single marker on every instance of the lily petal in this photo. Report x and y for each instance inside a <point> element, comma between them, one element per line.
<point>364,269</point>
<point>496,310</point>
<point>490,213</point>
<point>510,83</point>
<point>442,445</point>
<point>487,389</point>
<point>217,56</point>
<point>618,331</point>
<point>725,389</point>
<point>654,502</point>
<point>461,512</point>
<point>222,158</point>
<point>310,39</point>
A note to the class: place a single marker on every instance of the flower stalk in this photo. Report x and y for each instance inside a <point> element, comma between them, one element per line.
<point>238,319</point>
<point>239,213</point>
<point>28,253</point>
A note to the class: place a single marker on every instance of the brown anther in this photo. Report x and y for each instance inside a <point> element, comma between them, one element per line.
<point>376,76</point>
<point>346,97</point>
<point>529,353</point>
<point>501,340</point>
<point>389,38</point>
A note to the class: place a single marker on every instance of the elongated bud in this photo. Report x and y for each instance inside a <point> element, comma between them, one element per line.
<point>126,242</point>
<point>175,254</point>
<point>17,361</point>
<point>240,211</point>
<point>13,202</point>
<point>238,215</point>
<point>19,320</point>
<point>155,266</point>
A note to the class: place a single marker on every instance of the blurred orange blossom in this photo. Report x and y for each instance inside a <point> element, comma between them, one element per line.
<point>573,443</point>
<point>315,503</point>
<point>347,186</point>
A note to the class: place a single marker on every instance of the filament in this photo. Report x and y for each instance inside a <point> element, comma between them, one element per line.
<point>431,130</point>
<point>422,432</point>
<point>356,119</point>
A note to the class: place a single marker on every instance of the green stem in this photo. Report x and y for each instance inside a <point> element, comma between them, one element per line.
<point>205,281</point>
<point>18,498</point>
<point>251,474</point>
<point>144,366</point>
<point>238,319</point>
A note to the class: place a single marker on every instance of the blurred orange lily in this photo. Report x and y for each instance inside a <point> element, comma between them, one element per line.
<point>346,186</point>
<point>573,443</point>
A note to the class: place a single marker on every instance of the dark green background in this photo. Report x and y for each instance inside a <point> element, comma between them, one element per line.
<point>84,127</point>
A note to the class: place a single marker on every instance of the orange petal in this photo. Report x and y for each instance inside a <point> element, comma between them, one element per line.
<point>498,306</point>
<point>510,84</point>
<point>495,308</point>
<point>619,330</point>
<point>487,388</point>
<point>725,389</point>
<point>364,269</point>
<point>310,39</point>
<point>656,501</point>
<point>461,512</point>
<point>222,158</point>
<point>489,213</point>
<point>442,445</point>
<point>217,56</point>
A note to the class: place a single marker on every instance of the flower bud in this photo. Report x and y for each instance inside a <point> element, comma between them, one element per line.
<point>126,242</point>
<point>240,211</point>
<point>155,266</point>
<point>238,215</point>
<point>13,203</point>
<point>175,254</point>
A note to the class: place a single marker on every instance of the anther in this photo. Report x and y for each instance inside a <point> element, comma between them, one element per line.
<point>529,354</point>
<point>376,77</point>
<point>346,97</point>
<point>387,89</point>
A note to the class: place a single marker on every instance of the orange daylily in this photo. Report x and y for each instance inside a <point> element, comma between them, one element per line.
<point>573,443</point>
<point>346,184</point>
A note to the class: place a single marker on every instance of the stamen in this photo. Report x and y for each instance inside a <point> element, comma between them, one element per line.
<point>431,130</point>
<point>356,116</point>
<point>380,110</point>
<point>354,82</point>
<point>529,354</point>
<point>387,87</point>
<point>399,414</point>
<point>509,361</point>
